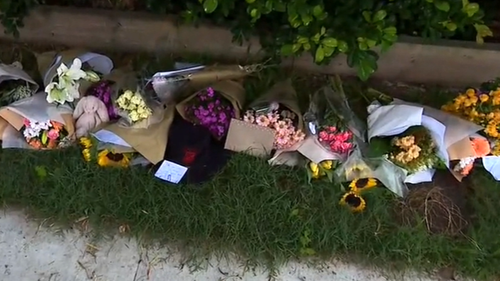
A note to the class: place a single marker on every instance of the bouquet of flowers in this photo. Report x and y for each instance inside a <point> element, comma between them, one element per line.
<point>281,120</point>
<point>210,110</point>
<point>133,107</point>
<point>414,150</point>
<point>45,135</point>
<point>14,90</point>
<point>481,107</point>
<point>103,90</point>
<point>65,86</point>
<point>320,170</point>
<point>334,138</point>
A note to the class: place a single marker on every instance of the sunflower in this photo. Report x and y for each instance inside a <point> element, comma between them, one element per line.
<point>360,185</point>
<point>107,158</point>
<point>86,154</point>
<point>85,142</point>
<point>355,202</point>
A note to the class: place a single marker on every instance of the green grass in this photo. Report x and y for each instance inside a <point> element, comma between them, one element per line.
<point>266,214</point>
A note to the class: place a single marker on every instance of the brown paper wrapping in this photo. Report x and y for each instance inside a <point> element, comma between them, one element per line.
<point>231,90</point>
<point>212,74</point>
<point>3,126</point>
<point>283,93</point>
<point>249,138</point>
<point>151,142</point>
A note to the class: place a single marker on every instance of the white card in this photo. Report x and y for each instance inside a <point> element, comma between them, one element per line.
<point>171,172</point>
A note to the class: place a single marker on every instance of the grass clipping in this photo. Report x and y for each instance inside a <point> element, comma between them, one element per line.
<point>431,206</point>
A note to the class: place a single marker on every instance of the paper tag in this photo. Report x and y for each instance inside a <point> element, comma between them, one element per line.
<point>171,172</point>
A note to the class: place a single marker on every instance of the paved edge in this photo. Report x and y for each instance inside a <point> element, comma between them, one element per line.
<point>410,60</point>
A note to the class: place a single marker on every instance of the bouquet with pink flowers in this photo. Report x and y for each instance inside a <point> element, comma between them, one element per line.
<point>214,107</point>
<point>282,121</point>
<point>334,138</point>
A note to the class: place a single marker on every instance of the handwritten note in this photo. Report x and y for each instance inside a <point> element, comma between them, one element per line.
<point>171,172</point>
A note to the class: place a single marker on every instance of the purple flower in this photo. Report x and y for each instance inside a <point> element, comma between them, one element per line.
<point>103,90</point>
<point>212,111</point>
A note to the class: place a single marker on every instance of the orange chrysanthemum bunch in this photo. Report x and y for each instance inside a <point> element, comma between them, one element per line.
<point>482,108</point>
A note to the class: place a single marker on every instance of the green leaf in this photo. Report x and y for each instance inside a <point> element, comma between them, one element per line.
<point>390,30</point>
<point>330,42</point>
<point>307,252</point>
<point>465,3</point>
<point>367,64</point>
<point>380,15</point>
<point>287,50</point>
<point>442,5</point>
<point>302,40</point>
<point>342,46</point>
<point>471,9</point>
<point>320,54</point>
<point>451,26</point>
<point>317,11</point>
<point>306,46</point>
<point>323,30</point>
<point>209,6</point>
<point>367,15</point>
<point>316,38</point>
<point>328,51</point>
<point>254,13</point>
<point>370,43</point>
<point>44,137</point>
<point>250,1</point>
<point>296,47</point>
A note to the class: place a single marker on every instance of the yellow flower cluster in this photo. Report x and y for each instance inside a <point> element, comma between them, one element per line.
<point>353,198</point>
<point>86,143</point>
<point>409,150</point>
<point>134,105</point>
<point>480,108</point>
<point>318,170</point>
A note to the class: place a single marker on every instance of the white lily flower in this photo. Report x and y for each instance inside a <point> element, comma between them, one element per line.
<point>74,72</point>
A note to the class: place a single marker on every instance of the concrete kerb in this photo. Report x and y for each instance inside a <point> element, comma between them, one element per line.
<point>410,60</point>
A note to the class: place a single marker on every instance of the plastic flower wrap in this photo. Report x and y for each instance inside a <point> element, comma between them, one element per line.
<point>15,84</point>
<point>106,157</point>
<point>45,135</point>
<point>132,106</point>
<point>282,121</point>
<point>210,110</point>
<point>65,86</point>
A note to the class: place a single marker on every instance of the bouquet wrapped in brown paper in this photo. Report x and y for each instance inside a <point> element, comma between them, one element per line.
<point>67,75</point>
<point>15,84</point>
<point>40,124</point>
<point>124,98</point>
<point>274,121</point>
<point>214,106</point>
<point>150,142</point>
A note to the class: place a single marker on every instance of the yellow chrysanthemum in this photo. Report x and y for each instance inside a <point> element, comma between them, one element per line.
<point>107,158</point>
<point>360,185</point>
<point>355,202</point>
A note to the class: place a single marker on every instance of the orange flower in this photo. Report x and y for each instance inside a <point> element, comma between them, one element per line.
<point>36,144</point>
<point>56,125</point>
<point>481,147</point>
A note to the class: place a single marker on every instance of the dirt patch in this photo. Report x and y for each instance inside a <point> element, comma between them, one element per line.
<point>441,206</point>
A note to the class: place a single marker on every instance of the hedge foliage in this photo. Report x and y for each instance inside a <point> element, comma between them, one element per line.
<point>358,29</point>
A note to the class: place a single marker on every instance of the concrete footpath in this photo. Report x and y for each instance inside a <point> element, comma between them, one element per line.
<point>31,252</point>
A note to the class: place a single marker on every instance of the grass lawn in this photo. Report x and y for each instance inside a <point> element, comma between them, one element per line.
<point>266,214</point>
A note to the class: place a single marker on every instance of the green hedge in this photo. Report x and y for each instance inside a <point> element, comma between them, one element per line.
<point>323,28</point>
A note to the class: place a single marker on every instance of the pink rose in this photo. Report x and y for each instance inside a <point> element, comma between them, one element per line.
<point>53,134</point>
<point>26,122</point>
<point>323,135</point>
<point>332,129</point>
